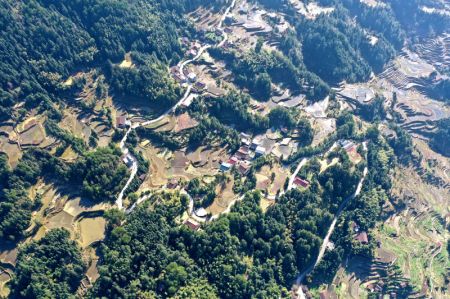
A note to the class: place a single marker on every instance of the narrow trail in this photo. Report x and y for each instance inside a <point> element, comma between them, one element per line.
<point>125,150</point>
<point>326,240</point>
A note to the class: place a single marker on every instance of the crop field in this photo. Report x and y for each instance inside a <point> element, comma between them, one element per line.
<point>32,136</point>
<point>311,10</point>
<point>264,181</point>
<point>418,242</point>
<point>5,276</point>
<point>225,196</point>
<point>78,127</point>
<point>322,128</point>
<point>127,62</point>
<point>12,150</point>
<point>91,230</point>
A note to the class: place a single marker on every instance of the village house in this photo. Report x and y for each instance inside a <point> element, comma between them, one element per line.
<point>242,153</point>
<point>192,224</point>
<point>245,142</point>
<point>172,184</point>
<point>347,145</point>
<point>199,87</point>
<point>185,40</point>
<point>244,167</point>
<point>362,238</point>
<point>284,130</point>
<point>186,71</point>
<point>175,70</point>
<point>255,143</point>
<point>245,139</point>
<point>192,53</point>
<point>225,166</point>
<point>201,212</point>
<point>179,78</point>
<point>121,121</point>
<point>192,77</point>
<point>299,182</point>
<point>233,160</point>
<point>195,45</point>
<point>127,160</point>
<point>260,151</point>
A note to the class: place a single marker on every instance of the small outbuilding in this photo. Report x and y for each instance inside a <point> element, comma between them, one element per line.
<point>121,121</point>
<point>225,166</point>
<point>362,238</point>
<point>201,212</point>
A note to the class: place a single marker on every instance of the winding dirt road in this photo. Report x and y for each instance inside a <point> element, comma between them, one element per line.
<point>182,65</point>
<point>326,240</point>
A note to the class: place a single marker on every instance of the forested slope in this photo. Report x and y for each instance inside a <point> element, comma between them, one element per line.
<point>42,42</point>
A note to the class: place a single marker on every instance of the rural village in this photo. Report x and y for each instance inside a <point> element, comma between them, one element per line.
<point>215,173</point>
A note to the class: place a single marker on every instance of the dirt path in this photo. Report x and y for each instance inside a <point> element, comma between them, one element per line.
<point>326,240</point>
<point>292,178</point>
<point>182,64</point>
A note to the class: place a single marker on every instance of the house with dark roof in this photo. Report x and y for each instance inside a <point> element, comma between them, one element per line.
<point>242,153</point>
<point>260,151</point>
<point>199,86</point>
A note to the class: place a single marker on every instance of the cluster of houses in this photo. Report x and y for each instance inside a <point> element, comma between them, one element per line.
<point>188,77</point>
<point>241,160</point>
<point>193,46</point>
<point>183,77</point>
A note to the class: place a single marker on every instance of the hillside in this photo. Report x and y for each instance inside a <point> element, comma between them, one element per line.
<point>224,149</point>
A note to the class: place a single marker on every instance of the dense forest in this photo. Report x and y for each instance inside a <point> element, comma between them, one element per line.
<point>441,138</point>
<point>280,242</point>
<point>49,268</point>
<point>56,38</point>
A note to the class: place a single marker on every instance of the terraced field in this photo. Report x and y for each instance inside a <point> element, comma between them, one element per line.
<point>411,253</point>
<point>435,51</point>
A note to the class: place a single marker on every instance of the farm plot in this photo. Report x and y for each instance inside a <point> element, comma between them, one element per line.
<point>75,125</point>
<point>224,198</point>
<point>311,10</point>
<point>159,167</point>
<point>11,149</point>
<point>417,241</point>
<point>322,128</point>
<point>91,230</point>
<point>271,179</point>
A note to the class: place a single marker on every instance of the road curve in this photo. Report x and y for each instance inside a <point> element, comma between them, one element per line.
<point>182,65</point>
<point>323,247</point>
